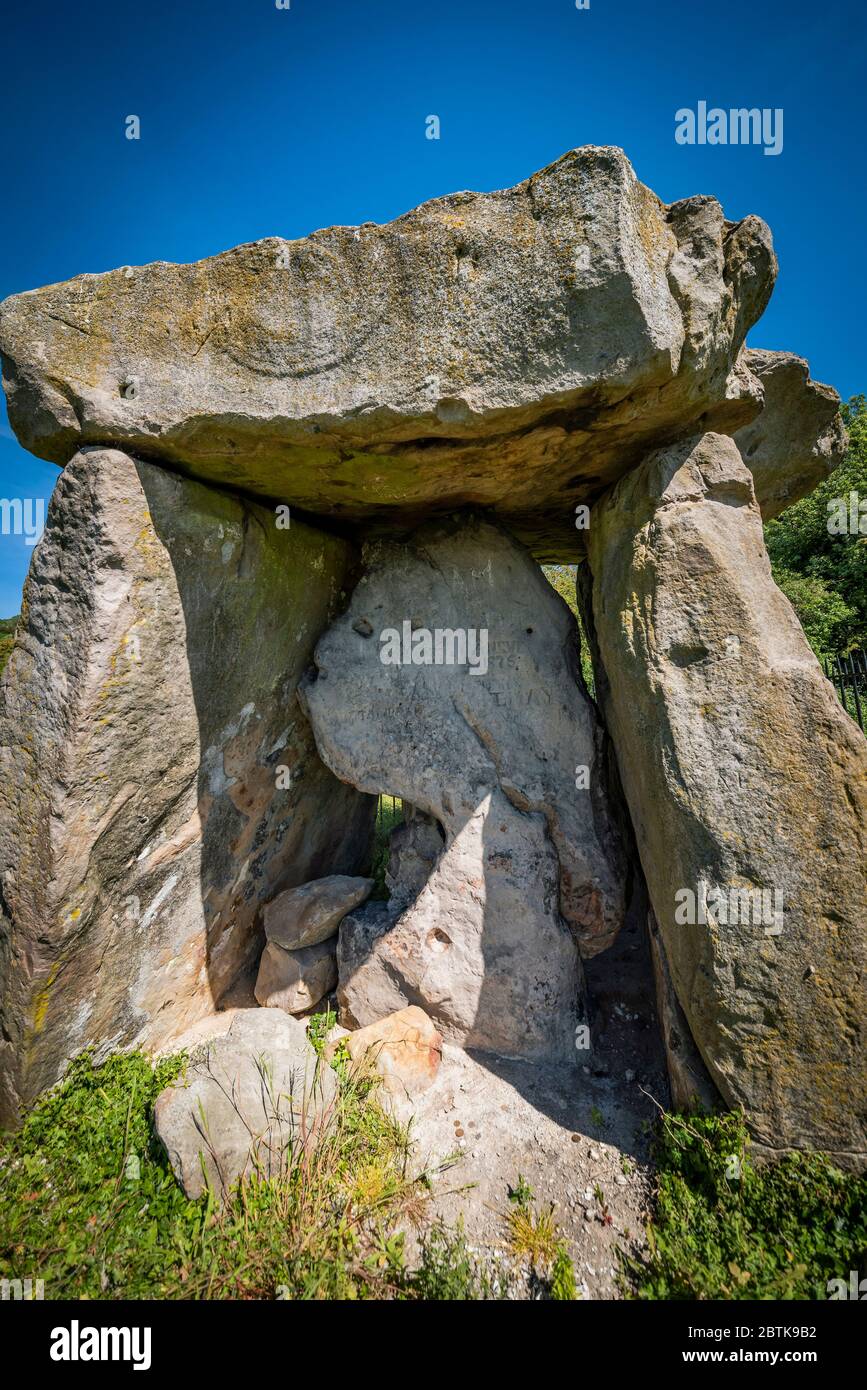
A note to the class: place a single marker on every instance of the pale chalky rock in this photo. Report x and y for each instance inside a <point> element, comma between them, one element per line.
<point>311,913</point>
<point>742,772</point>
<point>405,1048</point>
<point>147,712</point>
<point>513,714</point>
<point>482,949</point>
<point>413,849</point>
<point>491,754</point>
<point>251,1101</point>
<point>296,980</point>
<point>519,349</point>
<point>798,439</point>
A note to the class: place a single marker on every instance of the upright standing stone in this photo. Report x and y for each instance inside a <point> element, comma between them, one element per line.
<point>743,774</point>
<point>157,779</point>
<point>496,739</point>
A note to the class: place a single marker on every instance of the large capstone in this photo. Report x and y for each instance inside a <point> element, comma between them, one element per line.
<point>453,681</point>
<point>747,784</point>
<point>451,395</point>
<point>158,782</point>
<point>518,350</point>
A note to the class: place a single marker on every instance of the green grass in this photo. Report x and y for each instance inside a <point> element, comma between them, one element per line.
<point>597,1119</point>
<point>532,1236</point>
<point>448,1271</point>
<point>780,1230</point>
<point>91,1206</point>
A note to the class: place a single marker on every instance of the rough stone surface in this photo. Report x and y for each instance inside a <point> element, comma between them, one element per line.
<point>741,770</point>
<point>482,949</point>
<point>404,1047</point>
<point>296,980</point>
<point>248,1101</point>
<point>517,349</point>
<point>798,439</point>
<point>311,913</point>
<point>688,1077</point>
<point>141,826</point>
<point>413,849</point>
<point>492,758</point>
<point>507,356</point>
<point>579,1135</point>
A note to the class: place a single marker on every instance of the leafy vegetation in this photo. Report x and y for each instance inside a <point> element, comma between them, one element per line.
<point>91,1205</point>
<point>823,575</point>
<point>726,1229</point>
<point>319,1027</point>
<point>448,1270</point>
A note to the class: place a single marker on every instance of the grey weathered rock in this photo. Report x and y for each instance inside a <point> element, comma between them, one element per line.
<point>311,913</point>
<point>742,771</point>
<point>296,980</point>
<point>413,849</point>
<point>146,709</point>
<point>513,714</point>
<point>512,354</point>
<point>517,349</point>
<point>482,949</point>
<point>798,439</point>
<point>249,1101</point>
<point>688,1077</point>
<point>492,757</point>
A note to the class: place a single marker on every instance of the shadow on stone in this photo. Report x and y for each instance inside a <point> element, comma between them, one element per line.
<point>255,598</point>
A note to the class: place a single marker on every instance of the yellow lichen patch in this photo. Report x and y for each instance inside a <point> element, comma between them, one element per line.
<point>40,1002</point>
<point>657,239</point>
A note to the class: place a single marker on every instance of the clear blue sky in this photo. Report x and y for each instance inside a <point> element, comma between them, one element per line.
<point>257,121</point>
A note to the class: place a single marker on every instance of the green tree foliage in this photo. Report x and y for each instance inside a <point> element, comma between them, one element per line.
<point>823,575</point>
